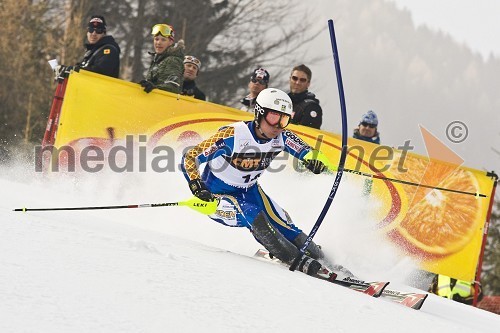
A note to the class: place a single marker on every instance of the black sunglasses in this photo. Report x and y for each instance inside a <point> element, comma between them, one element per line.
<point>301,79</point>
<point>259,81</point>
<point>97,30</point>
<point>368,125</point>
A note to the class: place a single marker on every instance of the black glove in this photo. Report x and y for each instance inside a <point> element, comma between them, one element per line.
<point>315,166</point>
<point>200,190</point>
<point>148,85</point>
<point>61,72</point>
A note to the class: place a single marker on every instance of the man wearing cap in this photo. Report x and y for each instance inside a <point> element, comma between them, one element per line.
<point>102,55</point>
<point>191,69</point>
<point>306,108</point>
<point>367,128</point>
<point>258,82</point>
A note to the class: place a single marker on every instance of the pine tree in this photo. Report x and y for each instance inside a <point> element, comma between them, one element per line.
<point>490,277</point>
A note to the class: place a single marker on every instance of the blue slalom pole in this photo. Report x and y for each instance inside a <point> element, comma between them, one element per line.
<point>343,154</point>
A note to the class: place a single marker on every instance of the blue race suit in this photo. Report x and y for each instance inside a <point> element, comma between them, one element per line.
<point>232,160</point>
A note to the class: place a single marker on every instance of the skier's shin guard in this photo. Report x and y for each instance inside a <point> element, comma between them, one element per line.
<point>313,250</point>
<point>273,240</point>
<point>281,247</point>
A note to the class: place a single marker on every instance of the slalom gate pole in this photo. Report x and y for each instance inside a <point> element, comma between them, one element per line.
<point>343,154</point>
<point>194,203</point>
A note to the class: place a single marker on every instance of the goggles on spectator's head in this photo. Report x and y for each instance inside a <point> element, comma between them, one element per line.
<point>97,24</point>
<point>193,60</point>
<point>163,29</point>
<point>260,75</point>
<point>365,124</point>
<point>277,119</point>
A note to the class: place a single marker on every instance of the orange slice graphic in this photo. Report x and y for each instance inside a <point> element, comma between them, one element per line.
<point>438,223</point>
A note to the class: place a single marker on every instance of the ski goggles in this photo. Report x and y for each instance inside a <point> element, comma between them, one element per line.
<point>277,119</point>
<point>365,124</point>
<point>193,60</point>
<point>163,29</point>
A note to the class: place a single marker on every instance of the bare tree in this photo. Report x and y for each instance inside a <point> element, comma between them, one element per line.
<point>25,77</point>
<point>75,18</point>
<point>230,37</point>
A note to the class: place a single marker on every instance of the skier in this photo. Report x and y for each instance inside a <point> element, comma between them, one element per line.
<point>238,155</point>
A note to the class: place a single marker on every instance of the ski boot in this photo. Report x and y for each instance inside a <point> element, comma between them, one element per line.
<point>309,266</point>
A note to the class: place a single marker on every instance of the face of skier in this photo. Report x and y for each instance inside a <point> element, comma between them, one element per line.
<point>161,43</point>
<point>299,82</point>
<point>272,124</point>
<point>268,130</point>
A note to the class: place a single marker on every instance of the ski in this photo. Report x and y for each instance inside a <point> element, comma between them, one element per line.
<point>409,299</point>
<point>374,289</point>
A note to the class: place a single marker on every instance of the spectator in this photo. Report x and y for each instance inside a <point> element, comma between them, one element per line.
<point>457,290</point>
<point>192,67</point>
<point>367,128</point>
<point>306,108</point>
<point>258,82</point>
<point>367,131</point>
<point>167,67</point>
<point>102,55</point>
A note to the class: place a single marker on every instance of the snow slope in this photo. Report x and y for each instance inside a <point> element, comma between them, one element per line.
<point>173,270</point>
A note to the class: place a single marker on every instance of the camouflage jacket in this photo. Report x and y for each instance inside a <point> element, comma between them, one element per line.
<point>167,69</point>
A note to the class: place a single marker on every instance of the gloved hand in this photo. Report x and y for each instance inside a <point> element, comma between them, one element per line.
<point>60,72</point>
<point>148,85</point>
<point>200,190</point>
<point>317,162</point>
<point>315,166</point>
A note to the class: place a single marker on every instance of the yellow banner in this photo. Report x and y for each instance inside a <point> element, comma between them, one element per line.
<point>442,230</point>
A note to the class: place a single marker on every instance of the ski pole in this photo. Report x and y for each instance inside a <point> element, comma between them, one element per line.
<point>343,154</point>
<point>476,194</point>
<point>370,175</point>
<point>194,203</point>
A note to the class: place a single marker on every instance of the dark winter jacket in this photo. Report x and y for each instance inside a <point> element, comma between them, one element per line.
<point>248,103</point>
<point>166,71</point>
<point>306,109</point>
<point>102,57</point>
<point>189,88</point>
<point>373,139</point>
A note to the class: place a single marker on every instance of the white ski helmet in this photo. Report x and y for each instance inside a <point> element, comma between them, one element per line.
<point>272,99</point>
